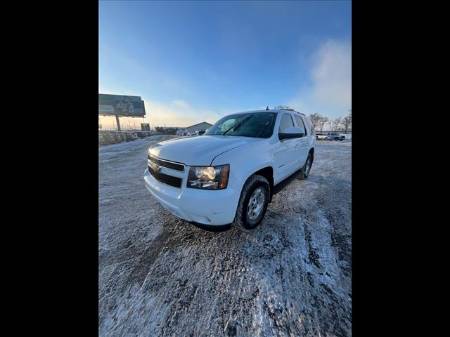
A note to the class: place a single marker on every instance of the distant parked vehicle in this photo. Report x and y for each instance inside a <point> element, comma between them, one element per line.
<point>321,137</point>
<point>335,136</point>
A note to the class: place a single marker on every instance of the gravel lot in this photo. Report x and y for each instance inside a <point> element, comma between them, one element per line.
<point>160,276</point>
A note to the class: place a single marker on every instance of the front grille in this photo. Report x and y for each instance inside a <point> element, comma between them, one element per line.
<point>165,163</point>
<point>164,178</point>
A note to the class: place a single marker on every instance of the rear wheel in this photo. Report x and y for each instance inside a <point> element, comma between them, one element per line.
<point>304,172</point>
<point>253,203</point>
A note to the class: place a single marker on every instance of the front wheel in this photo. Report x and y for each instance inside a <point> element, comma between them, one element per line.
<point>253,203</point>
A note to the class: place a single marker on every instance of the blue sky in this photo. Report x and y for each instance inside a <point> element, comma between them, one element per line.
<point>200,60</point>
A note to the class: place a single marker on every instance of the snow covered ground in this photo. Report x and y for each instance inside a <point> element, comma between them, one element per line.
<point>160,276</point>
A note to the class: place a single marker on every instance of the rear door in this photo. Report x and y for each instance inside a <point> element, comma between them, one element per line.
<point>284,154</point>
<point>302,143</point>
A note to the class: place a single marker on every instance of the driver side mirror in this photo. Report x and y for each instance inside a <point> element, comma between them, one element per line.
<point>290,133</point>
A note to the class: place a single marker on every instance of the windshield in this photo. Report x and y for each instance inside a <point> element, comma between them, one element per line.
<point>256,124</point>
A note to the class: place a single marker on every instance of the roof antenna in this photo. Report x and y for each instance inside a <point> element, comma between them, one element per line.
<point>267,108</point>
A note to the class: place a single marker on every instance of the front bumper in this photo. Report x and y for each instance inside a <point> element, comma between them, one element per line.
<point>207,207</point>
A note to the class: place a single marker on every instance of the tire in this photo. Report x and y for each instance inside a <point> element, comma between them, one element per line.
<point>253,187</point>
<point>304,172</point>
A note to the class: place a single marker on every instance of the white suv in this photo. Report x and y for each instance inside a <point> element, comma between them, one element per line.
<point>228,174</point>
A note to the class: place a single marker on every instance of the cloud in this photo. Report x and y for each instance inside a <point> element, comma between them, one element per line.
<point>177,113</point>
<point>330,92</point>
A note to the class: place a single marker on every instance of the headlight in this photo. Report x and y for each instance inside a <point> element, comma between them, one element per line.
<point>208,177</point>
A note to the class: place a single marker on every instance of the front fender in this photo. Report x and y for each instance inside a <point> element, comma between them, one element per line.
<point>244,162</point>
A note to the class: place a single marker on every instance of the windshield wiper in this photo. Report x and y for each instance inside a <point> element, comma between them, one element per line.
<point>235,127</point>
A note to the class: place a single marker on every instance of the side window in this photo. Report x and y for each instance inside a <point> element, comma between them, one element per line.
<point>300,124</point>
<point>286,122</point>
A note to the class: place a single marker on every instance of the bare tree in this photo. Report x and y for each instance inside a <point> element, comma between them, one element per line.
<point>315,119</point>
<point>337,124</point>
<point>331,124</point>
<point>322,122</point>
<point>347,122</point>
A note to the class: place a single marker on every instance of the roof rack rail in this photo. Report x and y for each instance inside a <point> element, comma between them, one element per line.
<point>298,112</point>
<point>293,110</point>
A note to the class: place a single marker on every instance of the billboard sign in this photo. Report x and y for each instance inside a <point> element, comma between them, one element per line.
<point>131,106</point>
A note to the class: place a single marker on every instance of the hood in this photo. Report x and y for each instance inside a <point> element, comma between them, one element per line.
<point>200,150</point>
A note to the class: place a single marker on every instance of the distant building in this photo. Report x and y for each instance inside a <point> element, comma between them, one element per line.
<point>194,129</point>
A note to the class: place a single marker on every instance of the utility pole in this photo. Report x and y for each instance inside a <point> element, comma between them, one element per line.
<point>118,122</point>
